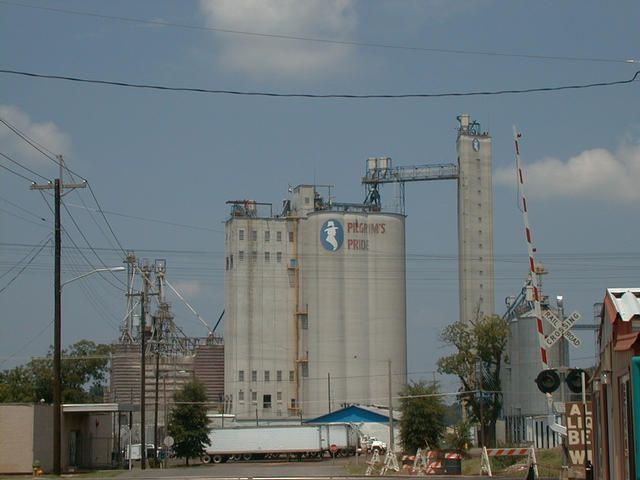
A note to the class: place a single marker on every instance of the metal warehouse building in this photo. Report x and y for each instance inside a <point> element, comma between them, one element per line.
<point>315,306</point>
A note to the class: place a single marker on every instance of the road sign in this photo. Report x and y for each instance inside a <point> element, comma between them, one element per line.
<point>333,448</point>
<point>562,329</point>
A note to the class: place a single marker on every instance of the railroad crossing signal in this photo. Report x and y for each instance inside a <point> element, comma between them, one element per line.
<point>562,329</point>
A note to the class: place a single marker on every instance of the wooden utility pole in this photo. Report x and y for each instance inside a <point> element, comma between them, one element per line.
<point>58,187</point>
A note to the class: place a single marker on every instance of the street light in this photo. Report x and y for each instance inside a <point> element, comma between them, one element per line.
<point>57,371</point>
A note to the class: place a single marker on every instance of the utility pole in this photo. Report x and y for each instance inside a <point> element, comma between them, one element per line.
<point>58,187</point>
<point>329,390</point>
<point>391,446</point>
<point>143,366</point>
<point>145,273</point>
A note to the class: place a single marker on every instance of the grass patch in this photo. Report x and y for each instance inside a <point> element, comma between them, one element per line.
<point>549,464</point>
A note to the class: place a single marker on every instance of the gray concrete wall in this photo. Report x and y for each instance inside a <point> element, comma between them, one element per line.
<point>475,226</point>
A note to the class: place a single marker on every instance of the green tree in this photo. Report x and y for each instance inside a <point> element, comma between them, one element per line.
<point>84,369</point>
<point>423,411</point>
<point>480,348</point>
<point>188,422</point>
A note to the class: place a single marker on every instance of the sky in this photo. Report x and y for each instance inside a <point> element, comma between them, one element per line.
<point>161,163</point>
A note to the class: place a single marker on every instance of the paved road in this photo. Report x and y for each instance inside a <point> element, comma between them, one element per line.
<point>313,470</point>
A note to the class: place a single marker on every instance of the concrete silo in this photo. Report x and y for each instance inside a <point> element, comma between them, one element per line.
<point>314,313</point>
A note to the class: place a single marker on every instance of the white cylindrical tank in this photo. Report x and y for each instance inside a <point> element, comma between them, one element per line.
<point>352,288</point>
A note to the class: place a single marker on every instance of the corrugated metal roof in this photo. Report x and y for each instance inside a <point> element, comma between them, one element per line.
<point>356,414</point>
<point>626,301</point>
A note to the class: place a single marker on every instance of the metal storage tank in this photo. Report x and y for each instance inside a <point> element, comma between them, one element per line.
<point>352,281</point>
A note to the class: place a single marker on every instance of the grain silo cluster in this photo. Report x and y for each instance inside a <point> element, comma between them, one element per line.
<point>315,306</point>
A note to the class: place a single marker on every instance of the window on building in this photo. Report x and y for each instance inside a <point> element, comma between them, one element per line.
<point>267,236</point>
<point>240,234</point>
<point>266,401</point>
<point>279,375</point>
<point>254,375</point>
<point>278,257</point>
<point>254,397</point>
<point>304,322</point>
<point>305,369</point>
<point>254,235</point>
<point>254,256</point>
<point>241,256</point>
<point>227,267</point>
<point>290,236</point>
<point>307,200</point>
<point>241,375</point>
<point>267,376</point>
<point>291,375</point>
<point>279,396</point>
<point>278,236</point>
<point>241,396</point>
<point>267,256</point>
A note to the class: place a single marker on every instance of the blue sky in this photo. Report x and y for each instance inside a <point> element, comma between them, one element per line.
<point>161,164</point>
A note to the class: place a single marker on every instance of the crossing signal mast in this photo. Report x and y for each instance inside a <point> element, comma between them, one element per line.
<point>532,264</point>
<point>548,380</point>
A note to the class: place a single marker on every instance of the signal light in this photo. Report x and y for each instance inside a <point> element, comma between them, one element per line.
<point>574,379</point>
<point>548,381</point>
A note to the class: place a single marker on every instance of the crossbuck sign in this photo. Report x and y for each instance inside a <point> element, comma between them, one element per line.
<point>562,329</point>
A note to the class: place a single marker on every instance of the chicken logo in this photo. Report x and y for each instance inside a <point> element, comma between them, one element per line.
<point>331,235</point>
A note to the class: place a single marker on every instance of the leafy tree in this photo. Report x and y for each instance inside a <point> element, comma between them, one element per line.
<point>480,347</point>
<point>422,423</point>
<point>459,437</point>
<point>16,385</point>
<point>188,422</point>
<point>84,368</point>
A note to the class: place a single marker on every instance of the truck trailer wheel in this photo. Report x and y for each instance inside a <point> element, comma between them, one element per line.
<point>217,459</point>
<point>206,458</point>
<point>246,456</point>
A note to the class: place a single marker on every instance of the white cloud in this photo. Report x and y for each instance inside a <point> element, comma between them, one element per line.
<point>45,134</point>
<point>592,174</point>
<point>276,56</point>
<point>189,289</point>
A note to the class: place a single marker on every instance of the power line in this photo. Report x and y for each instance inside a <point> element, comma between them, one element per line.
<point>16,173</point>
<point>30,141</point>
<point>22,208</point>
<point>153,220</point>
<point>22,166</point>
<point>320,96</point>
<point>346,43</point>
<point>91,248</point>
<point>26,265</point>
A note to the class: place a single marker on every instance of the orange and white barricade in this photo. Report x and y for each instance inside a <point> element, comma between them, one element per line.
<point>485,466</point>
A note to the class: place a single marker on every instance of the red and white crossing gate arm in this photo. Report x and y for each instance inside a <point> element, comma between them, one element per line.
<point>532,267</point>
<point>502,452</point>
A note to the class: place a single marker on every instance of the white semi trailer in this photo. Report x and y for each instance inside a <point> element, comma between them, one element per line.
<point>245,443</point>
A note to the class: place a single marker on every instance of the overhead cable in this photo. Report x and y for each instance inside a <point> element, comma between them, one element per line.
<point>316,95</point>
<point>346,43</point>
<point>22,166</point>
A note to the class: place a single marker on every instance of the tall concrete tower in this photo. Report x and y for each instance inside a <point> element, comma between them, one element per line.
<point>475,221</point>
